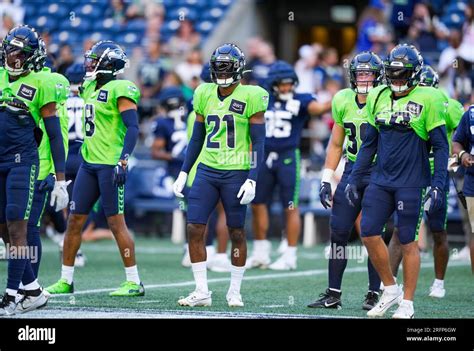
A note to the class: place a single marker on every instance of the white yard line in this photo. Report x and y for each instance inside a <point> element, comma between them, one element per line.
<point>252,277</point>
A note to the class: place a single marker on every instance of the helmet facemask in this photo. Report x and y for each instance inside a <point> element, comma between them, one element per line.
<point>17,57</point>
<point>92,64</point>
<point>364,80</point>
<point>224,71</point>
<point>287,94</point>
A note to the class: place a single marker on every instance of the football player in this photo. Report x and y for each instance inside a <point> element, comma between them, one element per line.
<point>29,107</point>
<point>230,124</point>
<point>403,119</point>
<point>285,118</point>
<point>437,220</point>
<point>111,132</point>
<point>349,112</point>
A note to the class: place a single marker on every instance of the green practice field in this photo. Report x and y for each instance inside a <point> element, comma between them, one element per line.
<point>266,294</point>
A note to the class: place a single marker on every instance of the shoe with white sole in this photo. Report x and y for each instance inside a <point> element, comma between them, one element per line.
<point>7,305</point>
<point>80,260</point>
<point>386,301</point>
<point>186,260</point>
<point>32,300</point>
<point>437,291</point>
<point>284,263</point>
<point>258,261</point>
<point>283,246</point>
<point>404,311</point>
<point>197,298</point>
<point>219,263</point>
<point>234,300</point>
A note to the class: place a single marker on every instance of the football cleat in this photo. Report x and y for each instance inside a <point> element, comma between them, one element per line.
<point>437,291</point>
<point>219,263</point>
<point>234,300</point>
<point>370,300</point>
<point>7,305</point>
<point>386,301</point>
<point>404,311</point>
<point>129,289</point>
<point>196,298</point>
<point>283,246</point>
<point>61,287</point>
<point>32,300</point>
<point>284,263</point>
<point>328,299</point>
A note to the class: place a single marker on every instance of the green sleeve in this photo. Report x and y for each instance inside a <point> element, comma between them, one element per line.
<point>336,112</point>
<point>125,88</point>
<point>436,115</point>
<point>198,99</point>
<point>258,102</point>
<point>455,112</point>
<point>190,124</point>
<point>369,106</point>
<point>48,91</point>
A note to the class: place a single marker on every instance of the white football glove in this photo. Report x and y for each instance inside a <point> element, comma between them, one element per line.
<point>179,184</point>
<point>247,191</point>
<point>59,195</point>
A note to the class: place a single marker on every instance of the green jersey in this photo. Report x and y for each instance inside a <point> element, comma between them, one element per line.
<point>44,150</point>
<point>227,145</point>
<point>407,111</point>
<point>35,90</point>
<point>352,117</point>
<point>455,110</point>
<point>104,130</point>
<point>189,129</point>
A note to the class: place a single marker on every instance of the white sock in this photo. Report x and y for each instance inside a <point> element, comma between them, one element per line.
<point>21,286</point>
<point>291,251</point>
<point>210,251</point>
<point>200,276</point>
<point>391,289</point>
<point>236,276</point>
<point>67,273</point>
<point>11,292</point>
<point>439,283</point>
<point>259,245</point>
<point>336,290</point>
<point>407,302</point>
<point>32,286</point>
<point>132,274</point>
<point>220,256</point>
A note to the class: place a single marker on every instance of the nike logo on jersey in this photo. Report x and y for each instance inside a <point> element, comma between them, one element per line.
<point>26,92</point>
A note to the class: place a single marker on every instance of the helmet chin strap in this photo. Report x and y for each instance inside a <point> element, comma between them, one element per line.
<point>364,90</point>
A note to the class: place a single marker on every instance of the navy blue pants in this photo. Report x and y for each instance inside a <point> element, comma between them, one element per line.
<point>208,187</point>
<point>92,181</point>
<point>380,202</point>
<point>282,169</point>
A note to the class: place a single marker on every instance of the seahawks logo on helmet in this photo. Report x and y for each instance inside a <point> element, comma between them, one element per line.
<point>106,59</point>
<point>362,64</point>
<point>403,67</point>
<point>227,65</point>
<point>429,77</point>
<point>23,50</point>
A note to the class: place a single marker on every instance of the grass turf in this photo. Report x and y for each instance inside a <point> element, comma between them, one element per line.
<point>265,293</point>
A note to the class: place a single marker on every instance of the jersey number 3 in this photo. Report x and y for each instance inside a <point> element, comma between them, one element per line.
<point>352,134</point>
<point>89,120</point>
<point>230,128</point>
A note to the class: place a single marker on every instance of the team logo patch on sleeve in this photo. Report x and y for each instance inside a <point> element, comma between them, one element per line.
<point>237,107</point>
<point>132,90</point>
<point>103,96</point>
<point>26,92</point>
<point>414,108</point>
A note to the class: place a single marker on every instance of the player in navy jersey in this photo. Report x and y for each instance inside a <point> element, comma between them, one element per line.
<point>170,130</point>
<point>285,118</point>
<point>404,120</point>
